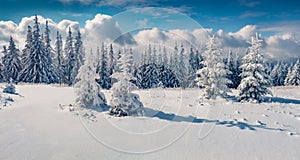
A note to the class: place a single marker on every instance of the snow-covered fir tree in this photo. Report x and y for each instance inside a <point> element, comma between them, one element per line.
<point>150,73</point>
<point>192,68</point>
<point>50,55</point>
<point>182,69</point>
<point>11,62</point>
<point>235,71</point>
<point>164,56</point>
<point>255,81</point>
<point>199,60</point>
<point>4,52</point>
<point>38,68</point>
<point>69,60</point>
<point>213,75</point>
<point>175,63</point>
<point>278,74</point>
<point>47,42</point>
<point>78,53</point>
<point>111,60</point>
<point>159,56</point>
<point>87,90</point>
<point>124,102</point>
<point>28,45</point>
<point>293,78</point>
<point>103,70</point>
<point>288,75</point>
<point>58,59</point>
<point>167,77</point>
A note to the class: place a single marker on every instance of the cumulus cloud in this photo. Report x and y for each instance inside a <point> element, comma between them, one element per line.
<point>18,31</point>
<point>102,28</point>
<point>283,46</point>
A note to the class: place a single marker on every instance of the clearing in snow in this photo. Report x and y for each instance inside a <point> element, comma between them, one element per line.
<point>175,126</point>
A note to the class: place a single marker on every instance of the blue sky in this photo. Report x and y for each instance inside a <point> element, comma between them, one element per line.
<point>229,15</point>
<point>232,21</point>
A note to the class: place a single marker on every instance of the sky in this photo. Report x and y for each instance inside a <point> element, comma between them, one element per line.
<point>278,21</point>
<point>229,15</point>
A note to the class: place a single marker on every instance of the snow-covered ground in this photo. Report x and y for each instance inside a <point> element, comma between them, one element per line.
<point>176,126</point>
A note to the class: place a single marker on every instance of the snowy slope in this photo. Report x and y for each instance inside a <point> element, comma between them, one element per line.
<point>176,126</point>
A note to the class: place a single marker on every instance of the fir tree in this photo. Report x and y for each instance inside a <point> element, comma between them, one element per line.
<point>50,55</point>
<point>111,60</point>
<point>87,90</point>
<point>78,54</point>
<point>28,45</point>
<point>104,76</point>
<point>293,78</point>
<point>182,70</point>
<point>278,74</point>
<point>192,68</point>
<point>11,62</point>
<point>58,60</point>
<point>233,67</point>
<point>288,75</point>
<point>213,75</point>
<point>38,68</point>
<point>124,102</point>
<point>70,61</point>
<point>255,81</point>
<point>4,52</point>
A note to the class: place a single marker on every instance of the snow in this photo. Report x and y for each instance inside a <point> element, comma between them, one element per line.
<point>175,126</point>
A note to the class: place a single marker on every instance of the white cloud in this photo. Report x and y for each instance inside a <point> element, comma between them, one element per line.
<point>276,47</point>
<point>252,14</point>
<point>156,37</point>
<point>283,46</point>
<point>102,28</point>
<point>249,3</point>
<point>142,23</point>
<point>244,33</point>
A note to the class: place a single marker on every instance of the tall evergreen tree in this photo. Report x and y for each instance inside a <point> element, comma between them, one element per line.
<point>111,60</point>
<point>278,74</point>
<point>213,75</point>
<point>233,67</point>
<point>58,60</point>
<point>50,55</point>
<point>182,69</point>
<point>38,68</point>
<point>70,61</point>
<point>124,102</point>
<point>78,52</point>
<point>293,78</point>
<point>11,62</point>
<point>288,75</point>
<point>2,67</point>
<point>88,93</point>
<point>192,68</point>
<point>255,81</point>
<point>103,71</point>
<point>28,45</point>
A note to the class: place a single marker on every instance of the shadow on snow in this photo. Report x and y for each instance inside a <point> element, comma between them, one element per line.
<point>175,118</point>
<point>282,100</point>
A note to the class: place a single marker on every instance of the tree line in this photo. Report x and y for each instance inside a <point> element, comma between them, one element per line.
<point>157,66</point>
